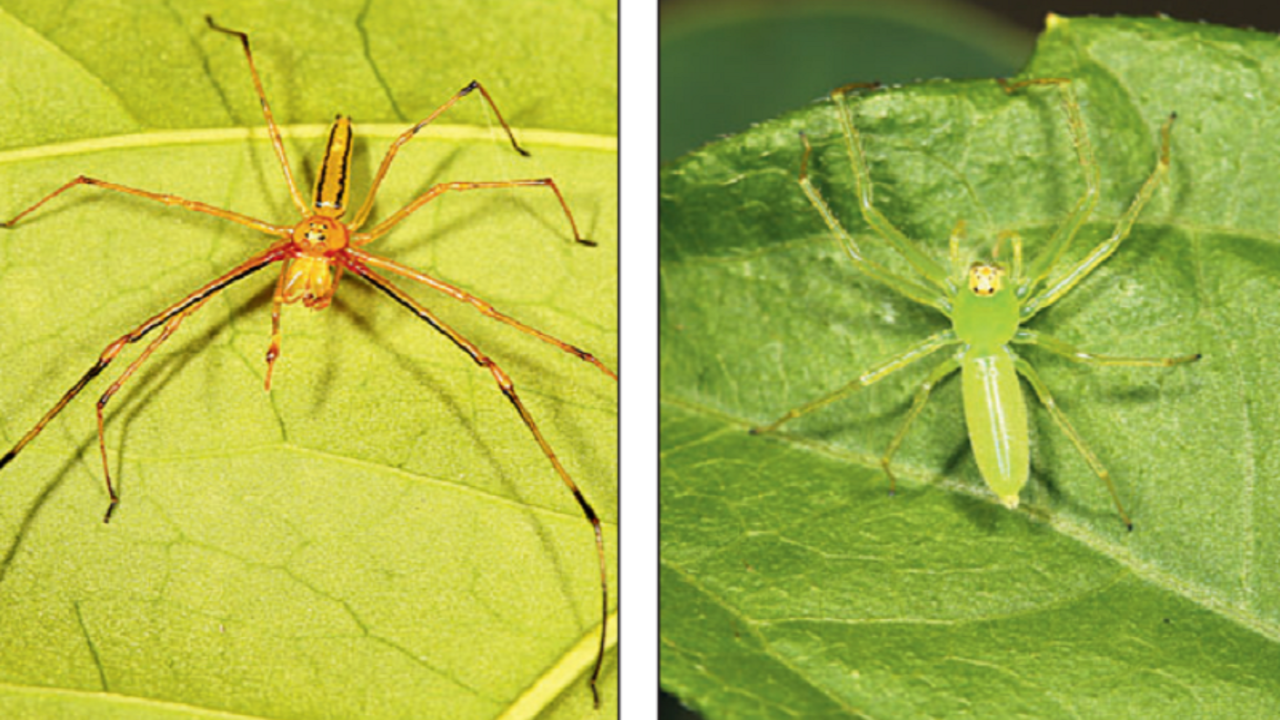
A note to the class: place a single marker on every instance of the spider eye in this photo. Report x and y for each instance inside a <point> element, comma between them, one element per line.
<point>985,280</point>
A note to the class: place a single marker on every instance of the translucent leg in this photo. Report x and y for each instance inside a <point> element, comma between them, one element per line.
<point>1042,391</point>
<point>1070,352</point>
<point>908,288</point>
<point>947,367</point>
<point>1092,179</point>
<point>1057,288</point>
<point>958,268</point>
<point>1016,239</point>
<point>930,345</point>
<point>923,264</point>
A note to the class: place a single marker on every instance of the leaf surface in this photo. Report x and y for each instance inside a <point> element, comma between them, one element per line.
<point>378,536</point>
<point>794,585</point>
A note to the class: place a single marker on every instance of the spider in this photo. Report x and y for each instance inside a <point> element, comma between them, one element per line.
<point>989,304</point>
<point>314,253</point>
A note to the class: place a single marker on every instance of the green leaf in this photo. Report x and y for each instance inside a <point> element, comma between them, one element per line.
<point>793,585</point>
<point>379,534</point>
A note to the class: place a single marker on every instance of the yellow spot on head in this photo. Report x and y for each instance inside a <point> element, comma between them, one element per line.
<point>315,234</point>
<point>319,235</point>
<point>1010,502</point>
<point>985,279</point>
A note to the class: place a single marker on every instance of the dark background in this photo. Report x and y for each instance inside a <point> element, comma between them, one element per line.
<point>1030,15</point>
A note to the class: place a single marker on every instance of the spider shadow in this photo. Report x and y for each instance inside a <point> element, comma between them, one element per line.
<point>131,401</point>
<point>1044,477</point>
<point>160,371</point>
<point>511,487</point>
<point>37,506</point>
<point>982,514</point>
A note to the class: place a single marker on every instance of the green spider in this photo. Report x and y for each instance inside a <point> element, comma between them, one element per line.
<point>988,304</point>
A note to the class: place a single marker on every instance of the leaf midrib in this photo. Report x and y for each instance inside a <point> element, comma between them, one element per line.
<point>563,674</point>
<point>1199,594</point>
<point>209,136</point>
<point>123,700</point>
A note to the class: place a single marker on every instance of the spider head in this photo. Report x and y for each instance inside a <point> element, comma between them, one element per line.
<point>319,236</point>
<point>985,279</point>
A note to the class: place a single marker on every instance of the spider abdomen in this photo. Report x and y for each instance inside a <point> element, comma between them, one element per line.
<point>996,415</point>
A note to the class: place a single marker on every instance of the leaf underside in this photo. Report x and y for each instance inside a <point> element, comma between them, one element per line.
<point>793,585</point>
<point>378,536</point>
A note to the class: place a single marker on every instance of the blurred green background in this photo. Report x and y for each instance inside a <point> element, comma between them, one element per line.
<point>725,64</point>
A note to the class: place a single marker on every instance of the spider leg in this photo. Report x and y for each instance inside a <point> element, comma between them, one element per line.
<point>1075,354</point>
<point>272,129</point>
<point>1083,209</point>
<point>169,328</point>
<point>508,389</point>
<point>480,305</point>
<point>171,200</point>
<point>1042,391</point>
<point>945,368</point>
<point>923,264</point>
<point>363,213</point>
<point>273,351</point>
<point>183,307</point>
<point>1016,240</point>
<point>919,351</point>
<point>1057,288</point>
<point>436,190</point>
<point>909,288</point>
<point>954,254</point>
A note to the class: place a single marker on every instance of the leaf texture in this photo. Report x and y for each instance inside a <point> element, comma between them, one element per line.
<point>378,536</point>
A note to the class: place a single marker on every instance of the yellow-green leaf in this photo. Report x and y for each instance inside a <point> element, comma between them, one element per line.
<point>378,536</point>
